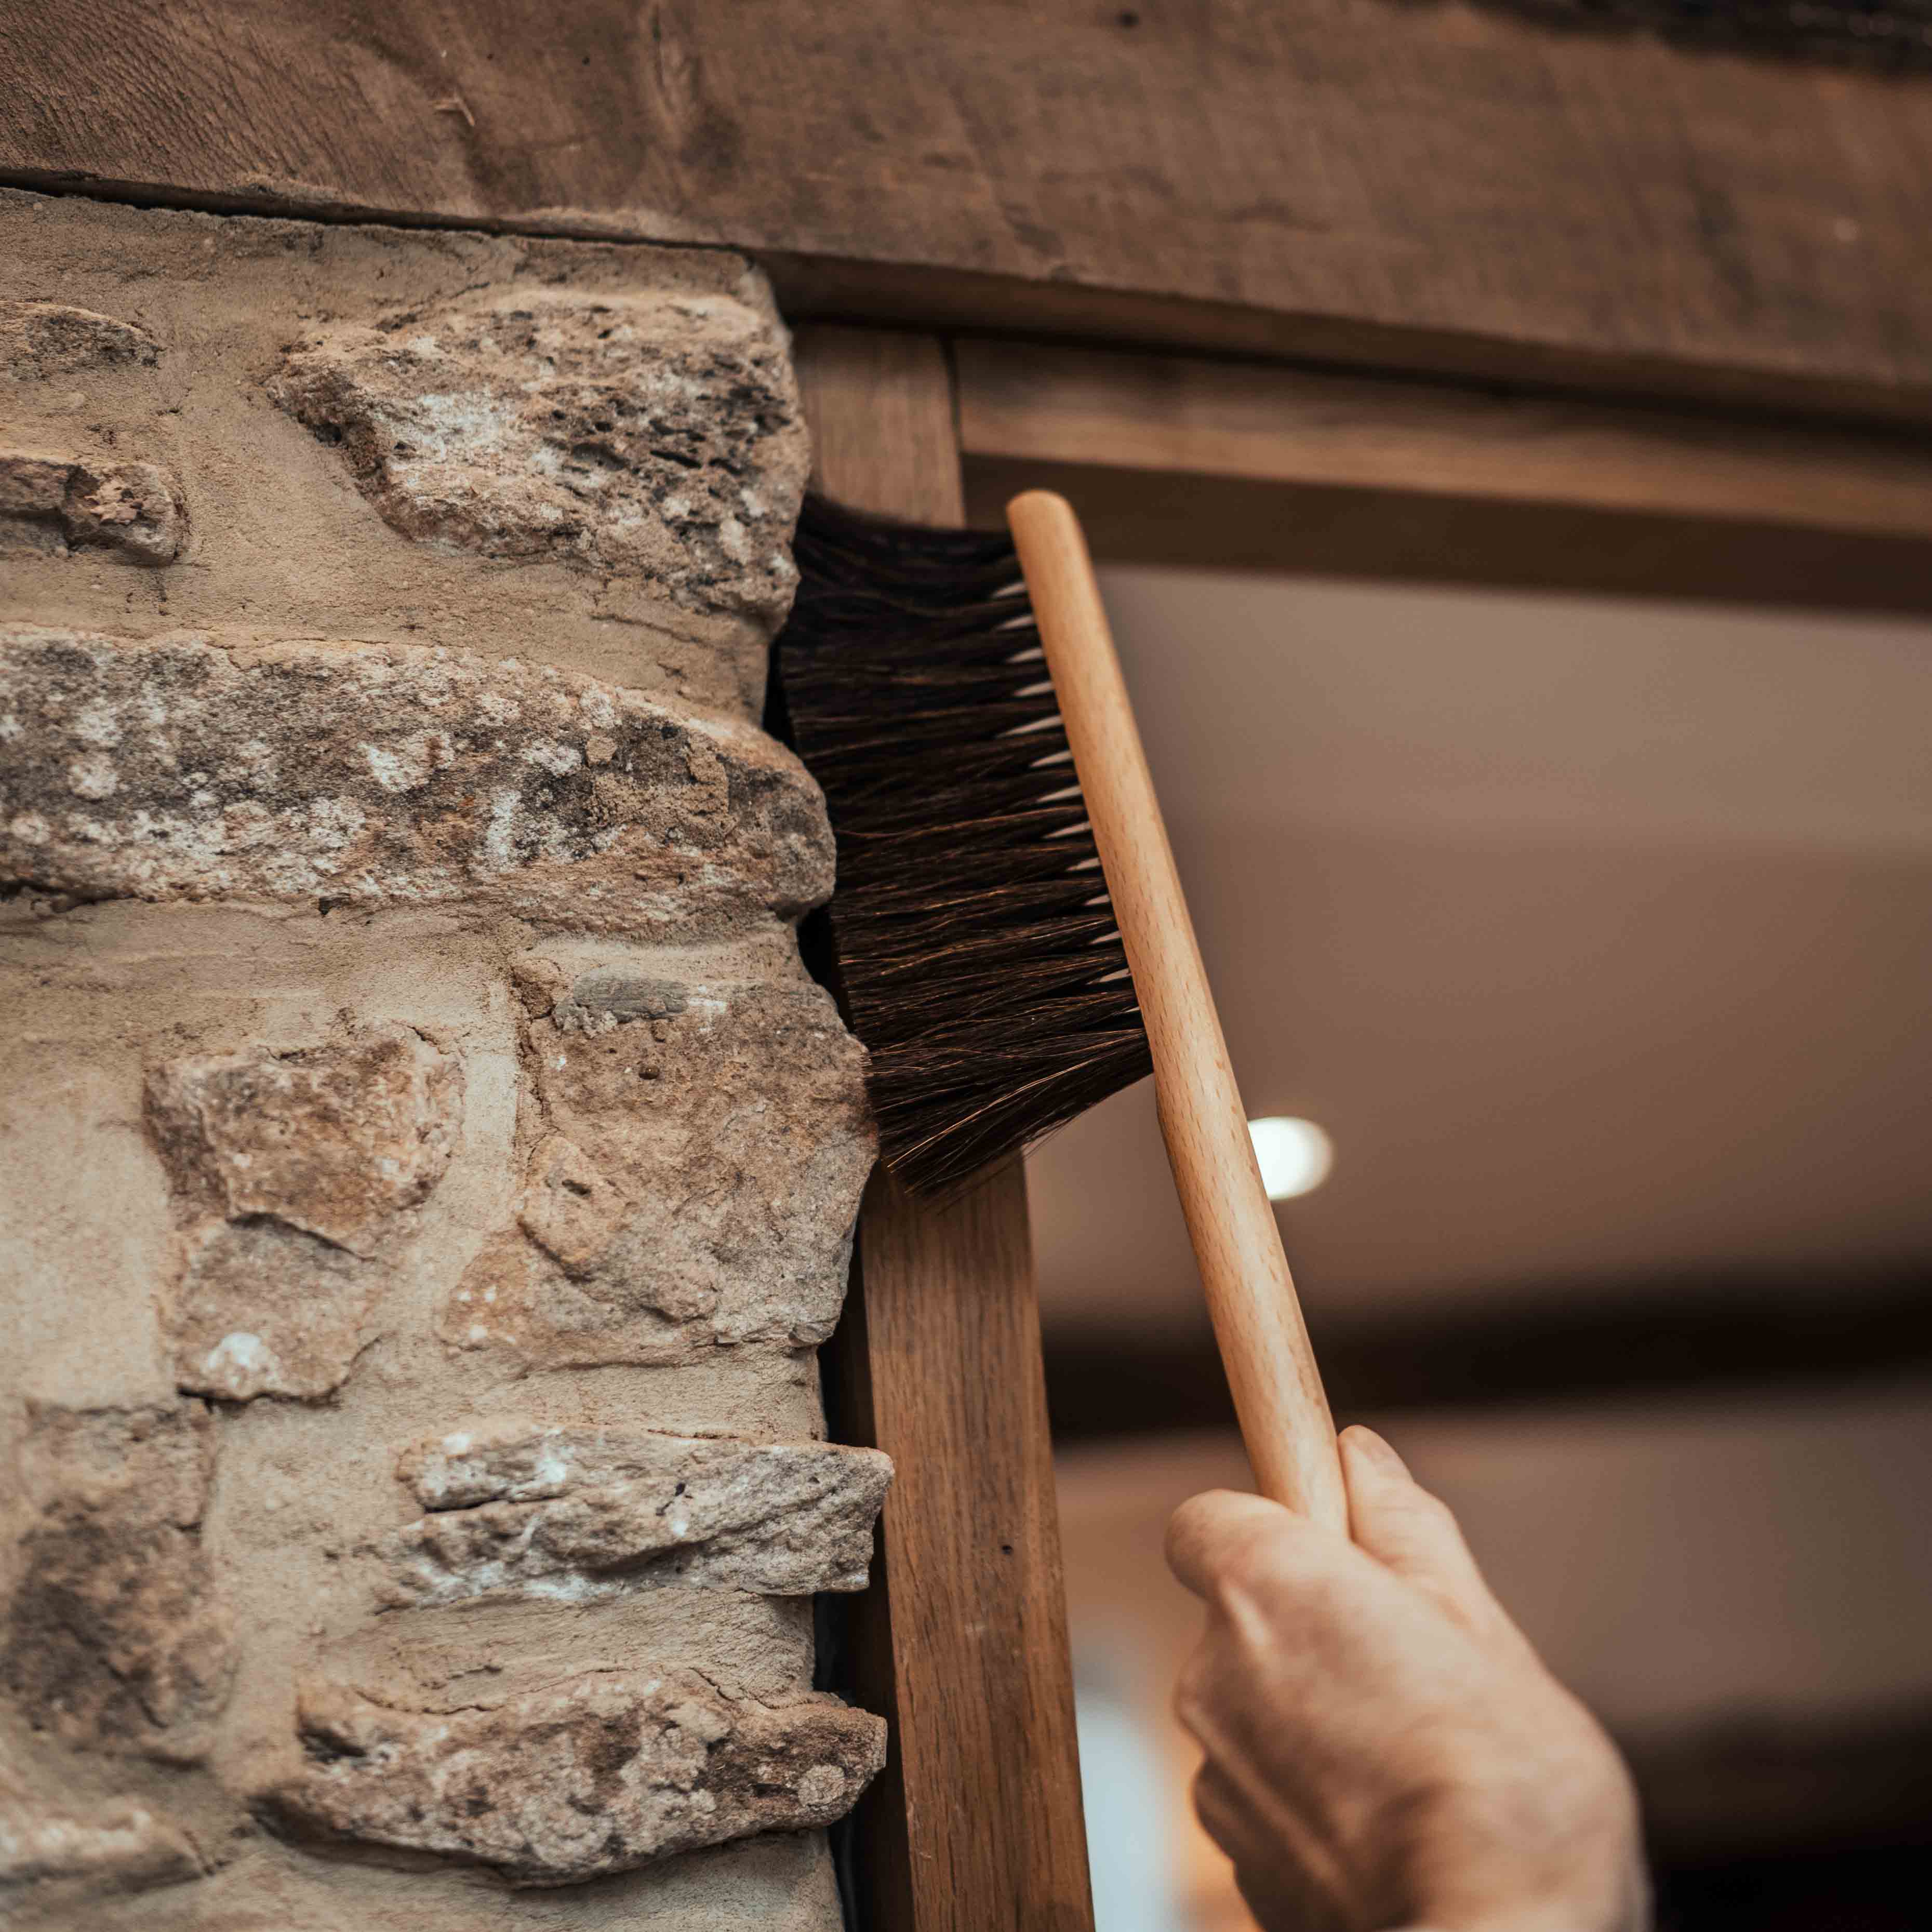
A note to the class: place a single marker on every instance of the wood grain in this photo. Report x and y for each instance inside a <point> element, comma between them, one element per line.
<point>1236,1243</point>
<point>962,1640</point>
<point>1176,517</point>
<point>1422,185</point>
<point>1263,423</point>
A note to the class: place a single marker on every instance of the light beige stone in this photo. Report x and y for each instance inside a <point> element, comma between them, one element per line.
<point>595,1777</point>
<point>781,1882</point>
<point>656,434</point>
<point>290,1169</point>
<point>580,1515</point>
<point>486,1652</point>
<point>263,1309</point>
<point>697,1183</point>
<point>336,1139</point>
<point>390,775</point>
<point>207,308</point>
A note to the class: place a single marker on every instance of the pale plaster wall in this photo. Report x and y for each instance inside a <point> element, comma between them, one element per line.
<point>426,1171</point>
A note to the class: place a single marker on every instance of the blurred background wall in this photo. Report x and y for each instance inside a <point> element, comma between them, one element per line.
<point>1596,935</point>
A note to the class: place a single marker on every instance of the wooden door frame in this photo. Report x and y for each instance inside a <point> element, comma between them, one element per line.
<point>962,1642</point>
<point>1206,461</point>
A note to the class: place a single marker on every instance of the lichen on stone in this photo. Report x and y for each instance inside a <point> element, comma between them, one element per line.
<point>600,1774</point>
<point>655,435</point>
<point>344,774</point>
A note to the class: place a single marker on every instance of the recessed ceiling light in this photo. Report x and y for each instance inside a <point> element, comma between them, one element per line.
<point>1295,1156</point>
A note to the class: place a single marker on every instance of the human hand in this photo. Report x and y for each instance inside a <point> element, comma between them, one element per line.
<point>1384,1748</point>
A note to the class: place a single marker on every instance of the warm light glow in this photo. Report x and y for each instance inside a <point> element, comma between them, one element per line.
<point>1295,1156</point>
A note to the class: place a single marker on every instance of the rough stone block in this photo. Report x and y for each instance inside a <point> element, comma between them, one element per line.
<point>113,1639</point>
<point>55,505</point>
<point>455,669</point>
<point>284,537</point>
<point>598,1001</point>
<point>654,435</point>
<point>697,1183</point>
<point>391,776</point>
<point>42,339</point>
<point>595,1777</point>
<point>337,1139</point>
<point>121,1847</point>
<point>263,1309</point>
<point>32,491</point>
<point>578,1515</point>
<point>290,1171</point>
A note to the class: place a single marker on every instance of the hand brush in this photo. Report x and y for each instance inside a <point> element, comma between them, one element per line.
<point>1012,945</point>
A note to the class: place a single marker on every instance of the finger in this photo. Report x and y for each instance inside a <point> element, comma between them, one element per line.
<point>1275,1861</point>
<point>1220,1811</point>
<point>1410,1531</point>
<point>1215,1537</point>
<point>1239,1831</point>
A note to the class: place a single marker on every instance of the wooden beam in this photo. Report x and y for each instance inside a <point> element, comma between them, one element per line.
<point>1223,464</point>
<point>1570,1342</point>
<point>1408,536</point>
<point>1425,186</point>
<point>1258,423</point>
<point>962,1640</point>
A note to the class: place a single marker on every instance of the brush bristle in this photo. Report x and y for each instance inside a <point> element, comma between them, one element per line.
<point>977,954</point>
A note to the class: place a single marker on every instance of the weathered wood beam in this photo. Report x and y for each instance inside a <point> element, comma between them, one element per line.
<point>962,1641</point>
<point>1408,536</point>
<point>1265,424</point>
<point>1706,1335</point>
<point>1427,186</point>
<point>1232,464</point>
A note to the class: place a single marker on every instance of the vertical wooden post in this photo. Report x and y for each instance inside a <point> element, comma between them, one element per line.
<point>962,1642</point>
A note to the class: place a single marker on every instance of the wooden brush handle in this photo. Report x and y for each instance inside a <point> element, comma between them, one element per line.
<point>1264,1343</point>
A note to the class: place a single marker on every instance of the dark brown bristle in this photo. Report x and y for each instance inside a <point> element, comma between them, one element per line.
<point>977,954</point>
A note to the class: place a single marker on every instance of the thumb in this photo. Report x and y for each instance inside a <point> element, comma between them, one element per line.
<point>1412,1532</point>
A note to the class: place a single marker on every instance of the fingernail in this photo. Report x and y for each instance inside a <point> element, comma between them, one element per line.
<point>1360,1435</point>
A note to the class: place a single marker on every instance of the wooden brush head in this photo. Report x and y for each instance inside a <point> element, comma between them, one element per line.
<point>975,952</point>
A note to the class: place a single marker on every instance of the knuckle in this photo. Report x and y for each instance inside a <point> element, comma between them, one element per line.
<point>1193,1535</point>
<point>1307,1573</point>
<point>1260,1555</point>
<point>1180,1529</point>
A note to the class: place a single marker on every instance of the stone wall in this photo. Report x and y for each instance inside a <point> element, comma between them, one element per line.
<point>426,1171</point>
